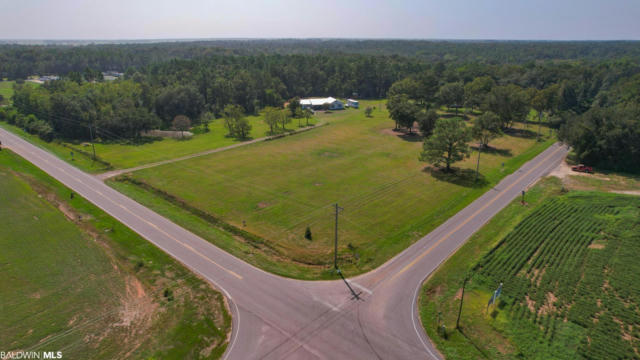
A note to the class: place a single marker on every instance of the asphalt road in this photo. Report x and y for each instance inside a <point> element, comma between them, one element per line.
<point>278,318</point>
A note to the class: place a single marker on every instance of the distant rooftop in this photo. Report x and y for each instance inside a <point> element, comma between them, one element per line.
<point>317,101</point>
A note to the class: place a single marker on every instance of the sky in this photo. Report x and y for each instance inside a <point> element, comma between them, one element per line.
<point>407,19</point>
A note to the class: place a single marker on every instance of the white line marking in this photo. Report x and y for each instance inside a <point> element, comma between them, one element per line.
<point>317,299</point>
<point>413,319</point>
<point>360,287</point>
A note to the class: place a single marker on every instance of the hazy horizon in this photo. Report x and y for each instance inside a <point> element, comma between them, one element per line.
<point>159,40</point>
<point>120,20</point>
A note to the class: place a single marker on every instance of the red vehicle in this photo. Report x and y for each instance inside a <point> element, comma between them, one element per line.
<point>582,168</point>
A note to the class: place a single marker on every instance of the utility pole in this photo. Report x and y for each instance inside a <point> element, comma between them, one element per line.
<point>539,124</point>
<point>464,283</point>
<point>478,164</point>
<point>335,249</point>
<point>91,137</point>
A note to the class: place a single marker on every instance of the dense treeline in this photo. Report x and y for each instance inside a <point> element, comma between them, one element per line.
<point>268,80</point>
<point>20,61</point>
<point>607,135</point>
<point>67,109</point>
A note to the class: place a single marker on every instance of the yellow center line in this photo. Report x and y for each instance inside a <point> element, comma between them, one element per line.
<point>412,263</point>
<point>150,224</point>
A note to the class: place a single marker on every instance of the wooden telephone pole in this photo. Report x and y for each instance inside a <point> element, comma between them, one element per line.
<point>335,249</point>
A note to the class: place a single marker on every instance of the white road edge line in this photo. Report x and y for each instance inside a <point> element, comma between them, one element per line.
<point>414,315</point>
<point>360,287</point>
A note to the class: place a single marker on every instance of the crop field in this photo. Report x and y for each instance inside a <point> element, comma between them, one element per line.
<point>571,287</point>
<point>269,193</point>
<point>75,280</point>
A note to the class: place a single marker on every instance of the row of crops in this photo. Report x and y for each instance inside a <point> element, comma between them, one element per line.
<point>572,267</point>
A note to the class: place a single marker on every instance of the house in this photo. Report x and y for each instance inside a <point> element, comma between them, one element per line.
<point>46,78</point>
<point>42,79</point>
<point>353,103</point>
<point>319,103</point>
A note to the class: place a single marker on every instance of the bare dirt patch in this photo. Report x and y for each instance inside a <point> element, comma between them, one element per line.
<point>458,294</point>
<point>66,210</point>
<point>530,304</point>
<point>262,205</point>
<point>549,305</point>
<point>563,171</point>
<point>627,192</point>
<point>598,246</point>
<point>136,306</point>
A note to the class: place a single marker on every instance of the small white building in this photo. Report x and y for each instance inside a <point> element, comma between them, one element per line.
<point>353,103</point>
<point>49,78</point>
<point>319,103</point>
<point>111,75</point>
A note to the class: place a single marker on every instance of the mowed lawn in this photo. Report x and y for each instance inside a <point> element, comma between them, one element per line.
<point>73,279</point>
<point>279,188</point>
<point>122,155</point>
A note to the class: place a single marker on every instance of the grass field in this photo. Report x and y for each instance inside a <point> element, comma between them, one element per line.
<point>126,155</point>
<point>570,281</point>
<point>118,153</point>
<point>75,280</point>
<point>273,191</point>
<point>6,90</point>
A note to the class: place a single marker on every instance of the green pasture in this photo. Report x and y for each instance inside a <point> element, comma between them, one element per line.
<point>123,155</point>
<point>91,288</point>
<point>276,189</point>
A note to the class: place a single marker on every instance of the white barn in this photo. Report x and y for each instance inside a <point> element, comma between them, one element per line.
<point>319,103</point>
